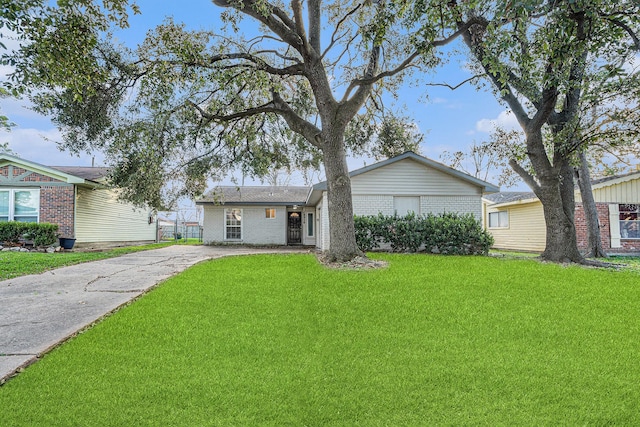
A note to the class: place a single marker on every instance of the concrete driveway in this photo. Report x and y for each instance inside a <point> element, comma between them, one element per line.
<point>40,311</point>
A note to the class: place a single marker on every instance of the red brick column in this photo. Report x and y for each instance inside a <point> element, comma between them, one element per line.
<point>57,207</point>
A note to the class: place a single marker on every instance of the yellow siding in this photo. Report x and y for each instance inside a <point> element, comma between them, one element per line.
<point>526,231</point>
<point>100,217</point>
<point>408,177</point>
<point>624,192</point>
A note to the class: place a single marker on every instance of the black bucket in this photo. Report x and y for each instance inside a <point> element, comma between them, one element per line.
<point>67,243</point>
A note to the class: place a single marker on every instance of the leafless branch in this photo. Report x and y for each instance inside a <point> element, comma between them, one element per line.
<point>459,84</point>
<point>334,37</point>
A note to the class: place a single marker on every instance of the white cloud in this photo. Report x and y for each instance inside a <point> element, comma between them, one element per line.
<point>40,146</point>
<point>505,120</point>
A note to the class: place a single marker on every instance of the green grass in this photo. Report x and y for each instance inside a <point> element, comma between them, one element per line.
<point>14,264</point>
<point>279,340</point>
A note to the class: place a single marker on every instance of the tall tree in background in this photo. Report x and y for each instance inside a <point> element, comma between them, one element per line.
<point>384,137</point>
<point>489,160</point>
<point>186,104</point>
<point>608,127</point>
<point>539,57</point>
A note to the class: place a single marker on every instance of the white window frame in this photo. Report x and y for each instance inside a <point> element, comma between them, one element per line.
<point>404,205</point>
<point>12,205</point>
<point>268,213</point>
<point>503,219</point>
<point>311,223</point>
<point>228,226</point>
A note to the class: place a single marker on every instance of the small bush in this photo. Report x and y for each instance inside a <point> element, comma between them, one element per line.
<point>15,233</point>
<point>447,233</point>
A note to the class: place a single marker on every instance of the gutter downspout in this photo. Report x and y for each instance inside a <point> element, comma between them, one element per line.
<point>75,208</point>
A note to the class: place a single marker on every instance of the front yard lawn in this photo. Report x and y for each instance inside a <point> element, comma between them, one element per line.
<point>280,340</point>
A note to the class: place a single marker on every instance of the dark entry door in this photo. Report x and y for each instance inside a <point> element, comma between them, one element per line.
<point>294,221</point>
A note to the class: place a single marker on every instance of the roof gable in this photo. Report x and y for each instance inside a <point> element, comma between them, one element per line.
<point>424,161</point>
<point>61,174</point>
<point>614,180</point>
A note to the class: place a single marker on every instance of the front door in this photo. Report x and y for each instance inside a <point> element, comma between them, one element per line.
<point>294,227</point>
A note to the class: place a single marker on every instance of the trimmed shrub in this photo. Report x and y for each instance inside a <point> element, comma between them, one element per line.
<point>447,233</point>
<point>11,232</point>
<point>15,233</point>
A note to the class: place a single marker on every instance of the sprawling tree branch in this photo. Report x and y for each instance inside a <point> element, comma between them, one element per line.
<point>267,13</point>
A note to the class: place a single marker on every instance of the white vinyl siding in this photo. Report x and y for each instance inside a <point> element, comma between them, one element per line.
<point>101,217</point>
<point>408,177</point>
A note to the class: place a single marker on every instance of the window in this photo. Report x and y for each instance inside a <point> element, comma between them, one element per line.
<point>20,205</point>
<point>498,219</point>
<point>233,224</point>
<point>270,213</point>
<point>4,205</point>
<point>629,221</point>
<point>403,205</point>
<point>310,224</point>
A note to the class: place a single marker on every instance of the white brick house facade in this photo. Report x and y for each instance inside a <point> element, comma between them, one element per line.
<point>408,182</point>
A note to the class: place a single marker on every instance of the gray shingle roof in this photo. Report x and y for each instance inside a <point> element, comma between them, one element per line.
<point>268,195</point>
<point>611,178</point>
<point>510,196</point>
<point>84,172</point>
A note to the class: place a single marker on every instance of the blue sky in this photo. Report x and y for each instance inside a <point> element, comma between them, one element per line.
<point>450,120</point>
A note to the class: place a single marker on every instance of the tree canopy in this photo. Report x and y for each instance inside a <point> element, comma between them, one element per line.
<point>186,105</point>
<point>550,62</point>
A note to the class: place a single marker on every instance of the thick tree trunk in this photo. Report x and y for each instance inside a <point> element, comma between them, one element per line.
<point>558,203</point>
<point>554,187</point>
<point>594,243</point>
<point>561,243</point>
<point>342,244</point>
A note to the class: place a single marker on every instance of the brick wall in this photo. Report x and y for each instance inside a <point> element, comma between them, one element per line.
<point>56,207</point>
<point>628,245</point>
<point>56,201</point>
<point>458,204</point>
<point>372,204</point>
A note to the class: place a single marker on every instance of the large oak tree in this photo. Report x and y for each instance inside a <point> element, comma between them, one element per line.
<point>544,58</point>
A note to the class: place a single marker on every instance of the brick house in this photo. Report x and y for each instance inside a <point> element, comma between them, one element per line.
<point>516,220</point>
<point>77,199</point>
<point>299,215</point>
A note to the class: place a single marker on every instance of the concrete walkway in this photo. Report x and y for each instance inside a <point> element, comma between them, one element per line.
<point>40,311</point>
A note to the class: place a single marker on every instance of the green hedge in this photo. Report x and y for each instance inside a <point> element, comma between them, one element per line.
<point>42,234</point>
<point>448,233</point>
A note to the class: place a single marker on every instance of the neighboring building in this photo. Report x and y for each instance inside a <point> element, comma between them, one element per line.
<point>299,215</point>
<point>75,198</point>
<point>516,220</point>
